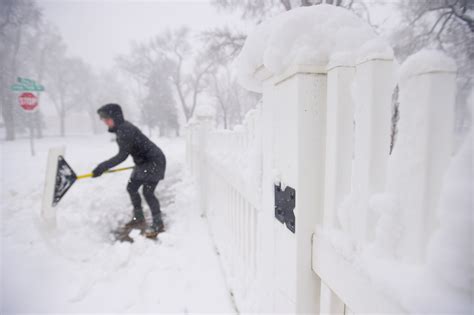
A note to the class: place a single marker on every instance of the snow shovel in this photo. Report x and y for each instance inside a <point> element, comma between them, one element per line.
<point>65,177</point>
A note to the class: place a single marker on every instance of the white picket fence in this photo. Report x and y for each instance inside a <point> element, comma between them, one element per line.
<point>326,133</point>
<point>227,166</point>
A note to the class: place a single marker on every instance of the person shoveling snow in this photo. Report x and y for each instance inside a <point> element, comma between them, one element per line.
<point>150,166</point>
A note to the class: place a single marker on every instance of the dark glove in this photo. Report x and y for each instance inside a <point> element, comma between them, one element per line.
<point>98,170</point>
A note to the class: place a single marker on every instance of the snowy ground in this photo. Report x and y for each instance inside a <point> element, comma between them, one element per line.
<point>78,268</point>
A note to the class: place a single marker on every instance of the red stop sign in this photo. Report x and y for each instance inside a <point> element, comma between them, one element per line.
<point>28,101</point>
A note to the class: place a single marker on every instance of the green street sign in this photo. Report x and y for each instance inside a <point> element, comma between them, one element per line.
<point>27,85</point>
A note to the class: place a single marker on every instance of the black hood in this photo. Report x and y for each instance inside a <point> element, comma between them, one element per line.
<point>113,111</point>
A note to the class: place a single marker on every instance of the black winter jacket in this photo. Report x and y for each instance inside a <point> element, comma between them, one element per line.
<point>148,157</point>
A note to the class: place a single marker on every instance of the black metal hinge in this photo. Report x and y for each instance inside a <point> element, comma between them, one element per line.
<point>285,201</point>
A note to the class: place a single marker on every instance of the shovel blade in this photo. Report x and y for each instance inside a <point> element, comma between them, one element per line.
<point>65,177</point>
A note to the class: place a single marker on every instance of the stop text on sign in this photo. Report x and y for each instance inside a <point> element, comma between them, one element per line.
<point>28,101</point>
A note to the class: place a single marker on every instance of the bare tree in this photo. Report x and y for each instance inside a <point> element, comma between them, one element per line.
<point>227,42</point>
<point>152,69</point>
<point>220,93</point>
<point>17,18</point>
<point>224,42</point>
<point>159,108</point>
<point>87,87</point>
<point>259,10</point>
<point>436,23</point>
<point>138,65</point>
<point>232,101</point>
<point>189,84</point>
<point>64,87</point>
<point>43,43</point>
<point>446,25</point>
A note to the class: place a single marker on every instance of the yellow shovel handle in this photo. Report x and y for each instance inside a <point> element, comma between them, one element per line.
<point>109,171</point>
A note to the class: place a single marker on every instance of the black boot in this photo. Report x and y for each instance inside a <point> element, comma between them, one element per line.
<point>138,220</point>
<point>157,227</point>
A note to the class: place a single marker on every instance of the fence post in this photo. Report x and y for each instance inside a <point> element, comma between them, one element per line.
<point>188,134</point>
<point>423,145</point>
<point>373,88</point>
<point>311,154</point>
<point>294,126</point>
<point>204,126</point>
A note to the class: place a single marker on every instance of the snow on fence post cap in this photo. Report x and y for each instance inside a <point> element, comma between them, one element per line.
<point>426,61</point>
<point>373,49</point>
<point>304,40</point>
<point>204,112</point>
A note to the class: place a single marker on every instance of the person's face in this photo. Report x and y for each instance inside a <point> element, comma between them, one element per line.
<point>108,121</point>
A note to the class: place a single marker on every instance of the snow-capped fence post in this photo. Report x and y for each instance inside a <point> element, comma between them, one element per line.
<point>423,146</point>
<point>204,125</point>
<point>294,127</point>
<point>373,87</point>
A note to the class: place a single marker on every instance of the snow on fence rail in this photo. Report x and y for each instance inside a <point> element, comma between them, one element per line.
<point>373,231</point>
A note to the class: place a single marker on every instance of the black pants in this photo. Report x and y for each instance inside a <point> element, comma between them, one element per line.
<point>149,194</point>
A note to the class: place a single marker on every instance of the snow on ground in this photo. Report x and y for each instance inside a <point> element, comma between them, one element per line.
<point>78,267</point>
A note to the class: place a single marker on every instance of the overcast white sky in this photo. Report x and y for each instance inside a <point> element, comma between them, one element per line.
<point>99,30</point>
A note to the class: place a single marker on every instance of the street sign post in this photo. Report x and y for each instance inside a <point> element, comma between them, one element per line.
<point>28,101</point>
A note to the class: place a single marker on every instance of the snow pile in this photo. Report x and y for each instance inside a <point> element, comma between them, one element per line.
<point>307,36</point>
<point>388,230</point>
<point>443,283</point>
<point>424,61</point>
<point>450,250</point>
